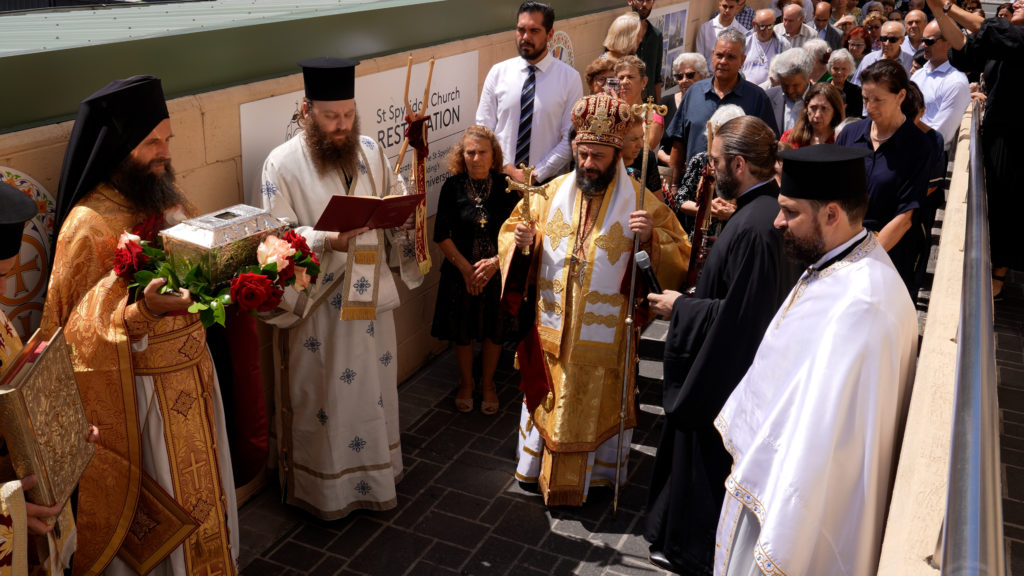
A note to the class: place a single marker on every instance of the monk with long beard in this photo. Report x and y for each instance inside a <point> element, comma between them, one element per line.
<point>337,401</point>
<point>158,494</point>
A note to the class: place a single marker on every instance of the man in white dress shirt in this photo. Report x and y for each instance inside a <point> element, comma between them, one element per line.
<point>762,47</point>
<point>892,40</point>
<point>792,31</point>
<point>946,90</point>
<point>707,34</point>
<point>544,141</point>
<point>813,427</point>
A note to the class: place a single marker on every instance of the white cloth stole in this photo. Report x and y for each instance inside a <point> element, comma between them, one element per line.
<point>602,307</point>
<point>362,270</point>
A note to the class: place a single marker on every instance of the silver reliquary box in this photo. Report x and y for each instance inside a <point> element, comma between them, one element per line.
<point>220,242</point>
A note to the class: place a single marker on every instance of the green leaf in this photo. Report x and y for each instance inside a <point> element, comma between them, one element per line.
<point>197,307</point>
<point>219,313</point>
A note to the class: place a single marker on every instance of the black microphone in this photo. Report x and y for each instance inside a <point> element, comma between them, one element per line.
<point>643,262</point>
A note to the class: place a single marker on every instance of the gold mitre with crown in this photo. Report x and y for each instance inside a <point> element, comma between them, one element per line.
<point>601,119</point>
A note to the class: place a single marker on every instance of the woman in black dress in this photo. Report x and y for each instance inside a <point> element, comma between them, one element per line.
<point>472,207</point>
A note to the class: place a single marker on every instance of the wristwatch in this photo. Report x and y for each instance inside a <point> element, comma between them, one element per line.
<point>947,6</point>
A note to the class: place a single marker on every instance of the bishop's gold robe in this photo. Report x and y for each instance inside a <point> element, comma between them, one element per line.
<point>148,384</point>
<point>581,325</point>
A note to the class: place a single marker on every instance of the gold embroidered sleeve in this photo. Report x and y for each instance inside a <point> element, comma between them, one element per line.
<point>670,246</point>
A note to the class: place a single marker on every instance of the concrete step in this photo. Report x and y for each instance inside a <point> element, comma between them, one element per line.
<point>652,340</point>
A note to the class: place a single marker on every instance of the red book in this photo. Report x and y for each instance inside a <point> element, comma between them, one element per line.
<point>350,212</point>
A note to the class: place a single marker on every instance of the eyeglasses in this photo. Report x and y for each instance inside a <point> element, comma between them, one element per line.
<point>763,27</point>
<point>930,41</point>
<point>890,39</point>
<point>688,75</point>
<point>856,44</point>
<point>875,27</point>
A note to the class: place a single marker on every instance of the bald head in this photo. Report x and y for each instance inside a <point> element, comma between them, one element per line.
<point>892,38</point>
<point>764,24</point>
<point>822,12</point>
<point>938,52</point>
<point>915,21</point>
<point>792,18</point>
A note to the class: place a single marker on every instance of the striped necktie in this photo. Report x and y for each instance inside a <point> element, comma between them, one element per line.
<point>526,117</point>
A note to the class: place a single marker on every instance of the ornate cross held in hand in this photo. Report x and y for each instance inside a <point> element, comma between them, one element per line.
<point>413,116</point>
<point>525,189</point>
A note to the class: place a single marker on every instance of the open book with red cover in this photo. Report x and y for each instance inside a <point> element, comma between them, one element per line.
<point>351,212</point>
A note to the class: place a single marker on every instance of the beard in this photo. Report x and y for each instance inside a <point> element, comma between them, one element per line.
<point>643,13</point>
<point>726,185</point>
<point>328,154</point>
<point>529,53</point>
<point>595,182</point>
<point>147,192</point>
<point>806,250</point>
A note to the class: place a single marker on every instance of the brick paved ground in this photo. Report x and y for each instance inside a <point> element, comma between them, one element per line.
<point>1009,326</point>
<point>460,510</point>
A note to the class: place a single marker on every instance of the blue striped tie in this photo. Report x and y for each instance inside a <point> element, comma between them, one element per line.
<point>526,117</point>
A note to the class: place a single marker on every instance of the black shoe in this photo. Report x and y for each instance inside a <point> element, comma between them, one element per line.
<point>530,487</point>
<point>658,558</point>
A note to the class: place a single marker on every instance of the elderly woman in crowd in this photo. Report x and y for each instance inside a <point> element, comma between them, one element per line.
<point>632,74</point>
<point>597,72</point>
<point>822,112</point>
<point>689,188</point>
<point>687,68</point>
<point>897,168</point>
<point>470,210</point>
<point>841,65</point>
<point>858,44</point>
<point>819,52</point>
<point>623,36</point>
<point>873,24</point>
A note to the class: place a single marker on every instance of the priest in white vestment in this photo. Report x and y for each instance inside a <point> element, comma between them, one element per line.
<point>814,427</point>
<point>336,396</point>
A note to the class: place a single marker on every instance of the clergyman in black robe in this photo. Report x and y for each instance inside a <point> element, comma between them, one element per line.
<point>711,342</point>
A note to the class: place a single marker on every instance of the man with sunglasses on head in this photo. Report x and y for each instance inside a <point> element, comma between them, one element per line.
<point>892,40</point>
<point>762,46</point>
<point>650,49</point>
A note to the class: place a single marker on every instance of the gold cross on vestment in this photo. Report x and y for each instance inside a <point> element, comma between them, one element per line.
<point>525,189</point>
<point>557,229</point>
<point>194,469</point>
<point>615,243</point>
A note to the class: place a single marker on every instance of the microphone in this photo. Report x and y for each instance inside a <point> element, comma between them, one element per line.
<point>643,262</point>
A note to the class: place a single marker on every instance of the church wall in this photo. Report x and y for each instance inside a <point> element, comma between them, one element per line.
<point>207,156</point>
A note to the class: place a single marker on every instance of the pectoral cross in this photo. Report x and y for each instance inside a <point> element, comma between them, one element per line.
<point>579,275</point>
<point>525,189</point>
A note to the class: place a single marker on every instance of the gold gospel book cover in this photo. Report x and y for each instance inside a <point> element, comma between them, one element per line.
<point>43,421</point>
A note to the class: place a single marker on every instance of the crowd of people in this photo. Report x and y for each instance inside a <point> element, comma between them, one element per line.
<point>791,355</point>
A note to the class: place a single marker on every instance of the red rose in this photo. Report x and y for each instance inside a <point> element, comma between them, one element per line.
<point>255,292</point>
<point>316,262</point>
<point>297,241</point>
<point>149,228</point>
<point>129,259</point>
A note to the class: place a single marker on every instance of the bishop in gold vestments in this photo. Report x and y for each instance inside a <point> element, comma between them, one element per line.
<point>158,495</point>
<point>581,246</point>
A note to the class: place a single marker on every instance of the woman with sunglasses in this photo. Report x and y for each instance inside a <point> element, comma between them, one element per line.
<point>687,68</point>
<point>858,43</point>
<point>873,24</point>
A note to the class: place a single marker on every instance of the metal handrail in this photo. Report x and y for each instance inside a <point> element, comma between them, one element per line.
<point>972,540</point>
